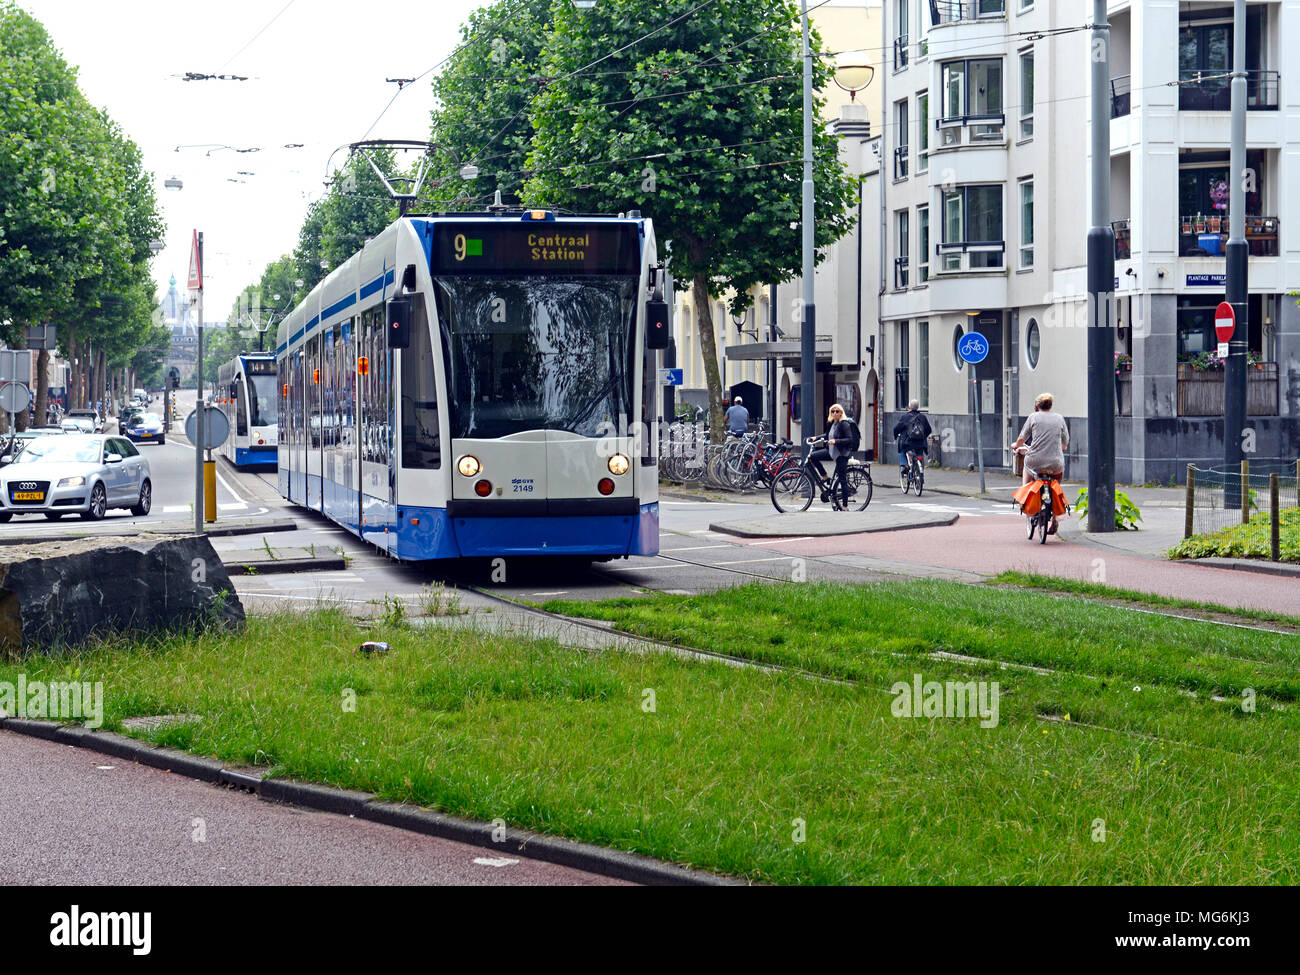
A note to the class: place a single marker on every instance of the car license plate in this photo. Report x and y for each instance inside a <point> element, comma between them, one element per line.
<point>29,495</point>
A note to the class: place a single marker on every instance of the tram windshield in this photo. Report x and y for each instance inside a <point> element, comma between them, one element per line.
<point>263,403</point>
<point>537,353</point>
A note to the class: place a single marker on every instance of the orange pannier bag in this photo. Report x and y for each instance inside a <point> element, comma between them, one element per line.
<point>1059,504</point>
<point>1029,497</point>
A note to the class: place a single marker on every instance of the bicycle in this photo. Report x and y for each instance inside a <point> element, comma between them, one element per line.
<point>795,487</point>
<point>1041,520</point>
<point>913,475</point>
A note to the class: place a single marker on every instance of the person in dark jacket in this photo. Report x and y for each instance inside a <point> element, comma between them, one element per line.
<point>839,448</point>
<point>913,435</point>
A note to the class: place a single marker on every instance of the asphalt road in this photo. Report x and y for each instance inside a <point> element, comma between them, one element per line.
<point>80,818</point>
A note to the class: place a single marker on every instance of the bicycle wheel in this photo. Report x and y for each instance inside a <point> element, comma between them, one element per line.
<point>905,479</point>
<point>918,478</point>
<point>1044,521</point>
<point>792,490</point>
<point>860,488</point>
<point>1032,523</point>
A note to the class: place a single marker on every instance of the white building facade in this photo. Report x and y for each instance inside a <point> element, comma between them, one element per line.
<point>986,212</point>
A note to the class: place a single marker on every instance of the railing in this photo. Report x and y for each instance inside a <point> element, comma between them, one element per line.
<point>900,162</point>
<point>1200,392</point>
<point>1202,236</point>
<point>1121,96</point>
<point>954,11</point>
<point>1123,239</point>
<point>900,52</point>
<point>971,129</point>
<point>1211,91</point>
<point>984,255</point>
<point>900,273</point>
<point>900,388</point>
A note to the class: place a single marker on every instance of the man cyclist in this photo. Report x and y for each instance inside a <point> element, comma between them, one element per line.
<point>737,418</point>
<point>913,435</point>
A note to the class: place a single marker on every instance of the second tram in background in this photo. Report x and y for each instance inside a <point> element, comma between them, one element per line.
<point>246,392</point>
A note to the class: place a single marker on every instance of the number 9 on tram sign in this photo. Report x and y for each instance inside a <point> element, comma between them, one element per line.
<point>973,348</point>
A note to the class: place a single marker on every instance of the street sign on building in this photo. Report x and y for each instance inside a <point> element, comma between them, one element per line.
<point>1225,323</point>
<point>670,377</point>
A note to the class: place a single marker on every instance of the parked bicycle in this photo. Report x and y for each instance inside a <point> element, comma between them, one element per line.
<point>794,488</point>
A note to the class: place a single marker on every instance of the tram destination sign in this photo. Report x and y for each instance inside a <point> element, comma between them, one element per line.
<point>537,247</point>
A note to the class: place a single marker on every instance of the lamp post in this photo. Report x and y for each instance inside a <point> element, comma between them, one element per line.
<point>808,319</point>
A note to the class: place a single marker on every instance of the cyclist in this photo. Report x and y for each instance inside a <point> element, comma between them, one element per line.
<point>842,440</point>
<point>737,418</point>
<point>913,435</point>
<point>1048,438</point>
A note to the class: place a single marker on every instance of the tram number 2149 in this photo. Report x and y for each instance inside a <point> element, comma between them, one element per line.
<point>521,485</point>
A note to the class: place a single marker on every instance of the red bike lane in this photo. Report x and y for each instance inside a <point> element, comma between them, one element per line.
<point>992,543</point>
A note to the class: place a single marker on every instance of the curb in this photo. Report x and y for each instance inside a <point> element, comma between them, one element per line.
<point>936,522</point>
<point>222,531</point>
<point>272,567</point>
<point>599,860</point>
<point>1285,569</point>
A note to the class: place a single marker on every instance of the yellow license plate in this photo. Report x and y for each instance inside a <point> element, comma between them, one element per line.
<point>29,495</point>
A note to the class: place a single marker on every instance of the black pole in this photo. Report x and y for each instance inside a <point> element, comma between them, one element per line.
<point>670,392</point>
<point>1235,277</point>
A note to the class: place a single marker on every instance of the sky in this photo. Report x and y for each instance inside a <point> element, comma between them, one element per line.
<point>316,71</point>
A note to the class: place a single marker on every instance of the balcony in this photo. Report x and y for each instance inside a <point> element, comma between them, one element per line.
<point>900,162</point>
<point>971,130</point>
<point>1202,236</point>
<point>1208,91</point>
<point>956,11</point>
<point>971,256</point>
<point>1121,96</point>
<point>1123,238</point>
<point>900,52</point>
<point>1200,392</point>
<point>900,273</point>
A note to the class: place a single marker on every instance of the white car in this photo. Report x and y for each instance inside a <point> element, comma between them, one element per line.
<point>88,475</point>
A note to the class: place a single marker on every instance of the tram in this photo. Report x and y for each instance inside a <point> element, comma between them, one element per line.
<point>246,393</point>
<point>481,385</point>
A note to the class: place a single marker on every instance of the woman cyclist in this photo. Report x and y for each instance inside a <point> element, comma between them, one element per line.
<point>840,443</point>
<point>1048,438</point>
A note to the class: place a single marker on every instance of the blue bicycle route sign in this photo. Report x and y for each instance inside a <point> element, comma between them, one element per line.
<point>973,348</point>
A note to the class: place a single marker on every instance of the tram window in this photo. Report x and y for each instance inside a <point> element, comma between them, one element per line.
<point>421,447</point>
<point>241,411</point>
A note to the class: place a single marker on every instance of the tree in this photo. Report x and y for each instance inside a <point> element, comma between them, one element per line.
<point>483,96</point>
<point>700,127</point>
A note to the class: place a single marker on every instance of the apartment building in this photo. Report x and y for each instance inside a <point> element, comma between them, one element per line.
<point>986,149</point>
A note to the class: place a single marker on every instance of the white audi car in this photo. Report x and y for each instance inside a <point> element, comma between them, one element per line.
<point>86,474</point>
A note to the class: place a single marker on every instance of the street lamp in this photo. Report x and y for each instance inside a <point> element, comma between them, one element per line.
<point>173,183</point>
<point>853,77</point>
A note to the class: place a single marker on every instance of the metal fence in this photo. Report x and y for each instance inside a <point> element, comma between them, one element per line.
<point>1220,497</point>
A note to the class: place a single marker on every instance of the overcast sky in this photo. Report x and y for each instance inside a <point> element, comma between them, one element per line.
<point>316,76</point>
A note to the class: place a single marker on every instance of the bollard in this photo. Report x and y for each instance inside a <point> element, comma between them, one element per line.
<point>1274,519</point>
<point>1190,519</point>
<point>1245,492</point>
<point>209,490</point>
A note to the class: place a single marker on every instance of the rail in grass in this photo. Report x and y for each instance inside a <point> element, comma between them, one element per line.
<point>481,385</point>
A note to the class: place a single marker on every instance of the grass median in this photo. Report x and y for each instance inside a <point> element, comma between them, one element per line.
<point>779,777</point>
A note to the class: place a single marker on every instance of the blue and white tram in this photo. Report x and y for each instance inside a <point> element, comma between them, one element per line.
<point>475,385</point>
<point>246,392</point>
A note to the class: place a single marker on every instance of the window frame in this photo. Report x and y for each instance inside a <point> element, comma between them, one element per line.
<point>1026,246</point>
<point>955,253</point>
<point>923,243</point>
<point>1026,56</point>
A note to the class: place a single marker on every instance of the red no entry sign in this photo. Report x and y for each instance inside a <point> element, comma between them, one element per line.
<point>1225,321</point>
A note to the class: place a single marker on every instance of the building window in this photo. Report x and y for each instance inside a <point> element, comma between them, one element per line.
<point>900,36</point>
<point>922,131</point>
<point>902,250</point>
<point>922,244</point>
<point>972,228</point>
<point>923,364</point>
<point>972,102</point>
<point>902,355</point>
<point>958,333</point>
<point>1027,95</point>
<point>900,152</point>
<point>1032,343</point>
<point>1027,223</point>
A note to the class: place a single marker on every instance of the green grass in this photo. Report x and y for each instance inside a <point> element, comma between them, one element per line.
<point>558,740</point>
<point>1248,541</point>
<point>1030,580</point>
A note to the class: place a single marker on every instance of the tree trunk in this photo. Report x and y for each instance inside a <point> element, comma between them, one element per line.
<point>42,385</point>
<point>708,349</point>
<point>20,418</point>
<point>70,348</point>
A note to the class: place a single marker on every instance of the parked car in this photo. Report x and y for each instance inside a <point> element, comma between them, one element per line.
<point>96,424</point>
<point>145,427</point>
<point>78,424</point>
<point>86,474</point>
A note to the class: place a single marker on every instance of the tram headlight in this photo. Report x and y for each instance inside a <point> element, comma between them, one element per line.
<point>618,464</point>
<point>468,465</point>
